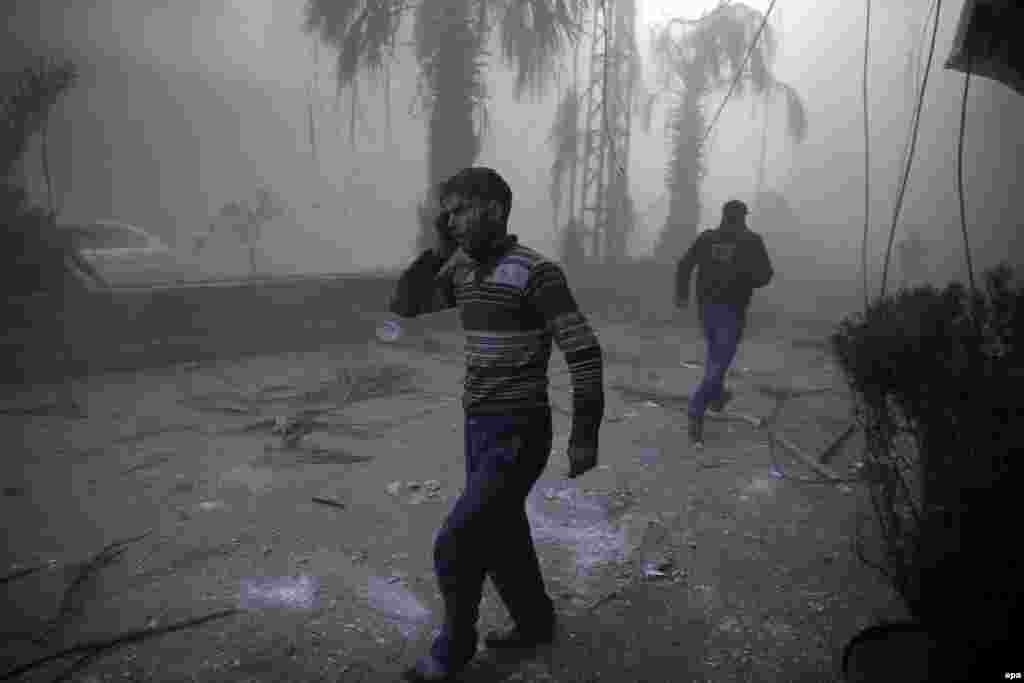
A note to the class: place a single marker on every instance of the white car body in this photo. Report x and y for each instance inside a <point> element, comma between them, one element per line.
<point>127,255</point>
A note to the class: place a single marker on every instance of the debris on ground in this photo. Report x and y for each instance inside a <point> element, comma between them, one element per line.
<point>329,502</point>
<point>429,490</point>
<point>292,429</point>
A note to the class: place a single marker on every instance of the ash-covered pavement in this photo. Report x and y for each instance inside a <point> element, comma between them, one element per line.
<point>666,564</point>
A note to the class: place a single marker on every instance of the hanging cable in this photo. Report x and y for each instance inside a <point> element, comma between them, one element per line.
<point>960,172</point>
<point>913,144</point>
<point>867,154</point>
<point>914,85</point>
<point>915,79</point>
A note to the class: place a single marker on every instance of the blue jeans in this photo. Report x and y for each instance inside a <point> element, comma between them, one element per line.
<point>487,532</point>
<point>723,326</point>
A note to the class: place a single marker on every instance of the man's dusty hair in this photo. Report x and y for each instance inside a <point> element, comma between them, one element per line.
<point>479,182</point>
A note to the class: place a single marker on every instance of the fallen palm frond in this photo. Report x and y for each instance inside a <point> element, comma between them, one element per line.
<point>834,447</point>
<point>86,570</point>
<point>94,648</point>
<point>799,454</point>
<point>24,571</point>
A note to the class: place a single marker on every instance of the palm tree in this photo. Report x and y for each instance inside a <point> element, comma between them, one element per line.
<point>762,158</point>
<point>565,139</point>
<point>450,39</point>
<point>704,59</point>
<point>37,254</point>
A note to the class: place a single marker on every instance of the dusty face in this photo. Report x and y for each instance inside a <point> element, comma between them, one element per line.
<point>474,224</point>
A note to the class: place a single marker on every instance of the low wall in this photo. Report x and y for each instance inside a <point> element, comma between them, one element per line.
<point>645,291</point>
<point>49,337</point>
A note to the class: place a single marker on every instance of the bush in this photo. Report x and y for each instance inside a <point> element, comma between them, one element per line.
<point>936,375</point>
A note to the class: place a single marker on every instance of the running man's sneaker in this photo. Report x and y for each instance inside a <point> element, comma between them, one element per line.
<point>696,431</point>
<point>427,670</point>
<point>723,400</point>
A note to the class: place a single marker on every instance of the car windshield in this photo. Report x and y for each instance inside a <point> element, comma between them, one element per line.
<point>101,236</point>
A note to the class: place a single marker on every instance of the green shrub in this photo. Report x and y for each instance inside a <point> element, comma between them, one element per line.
<point>936,374</point>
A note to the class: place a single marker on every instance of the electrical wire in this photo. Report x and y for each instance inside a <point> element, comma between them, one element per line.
<point>867,154</point>
<point>915,80</point>
<point>739,72</point>
<point>960,172</point>
<point>913,144</point>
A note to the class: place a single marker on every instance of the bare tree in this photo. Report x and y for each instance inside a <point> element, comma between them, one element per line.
<point>248,218</point>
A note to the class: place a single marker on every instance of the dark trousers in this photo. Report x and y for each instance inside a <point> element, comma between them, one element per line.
<point>487,532</point>
<point>723,327</point>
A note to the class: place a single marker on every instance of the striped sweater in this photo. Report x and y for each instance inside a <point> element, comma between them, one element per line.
<point>510,312</point>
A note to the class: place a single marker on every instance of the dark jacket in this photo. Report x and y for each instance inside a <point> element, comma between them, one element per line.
<point>730,264</point>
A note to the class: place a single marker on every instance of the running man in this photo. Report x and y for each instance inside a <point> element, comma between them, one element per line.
<point>731,263</point>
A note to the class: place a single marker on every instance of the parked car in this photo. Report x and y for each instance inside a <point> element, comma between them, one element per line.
<point>127,255</point>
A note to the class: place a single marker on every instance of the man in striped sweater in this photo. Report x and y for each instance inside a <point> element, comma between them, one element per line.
<point>512,302</point>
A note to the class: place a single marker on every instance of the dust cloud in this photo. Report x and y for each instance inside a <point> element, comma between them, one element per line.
<point>186,107</point>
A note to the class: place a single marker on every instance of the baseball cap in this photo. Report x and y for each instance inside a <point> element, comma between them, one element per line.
<point>735,206</point>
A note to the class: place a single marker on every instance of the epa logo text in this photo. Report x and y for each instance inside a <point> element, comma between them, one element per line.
<point>1012,676</point>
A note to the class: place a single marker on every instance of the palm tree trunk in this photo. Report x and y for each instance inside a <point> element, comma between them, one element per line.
<point>684,176</point>
<point>452,141</point>
<point>762,159</point>
<point>45,153</point>
<point>574,166</point>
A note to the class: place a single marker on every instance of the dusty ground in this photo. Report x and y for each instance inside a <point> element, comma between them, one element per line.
<point>667,564</point>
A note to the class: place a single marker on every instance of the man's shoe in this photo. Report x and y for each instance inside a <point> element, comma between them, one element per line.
<point>515,638</point>
<point>427,670</point>
<point>696,431</point>
<point>719,405</point>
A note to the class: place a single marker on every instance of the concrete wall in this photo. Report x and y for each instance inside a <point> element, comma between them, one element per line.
<point>49,337</point>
